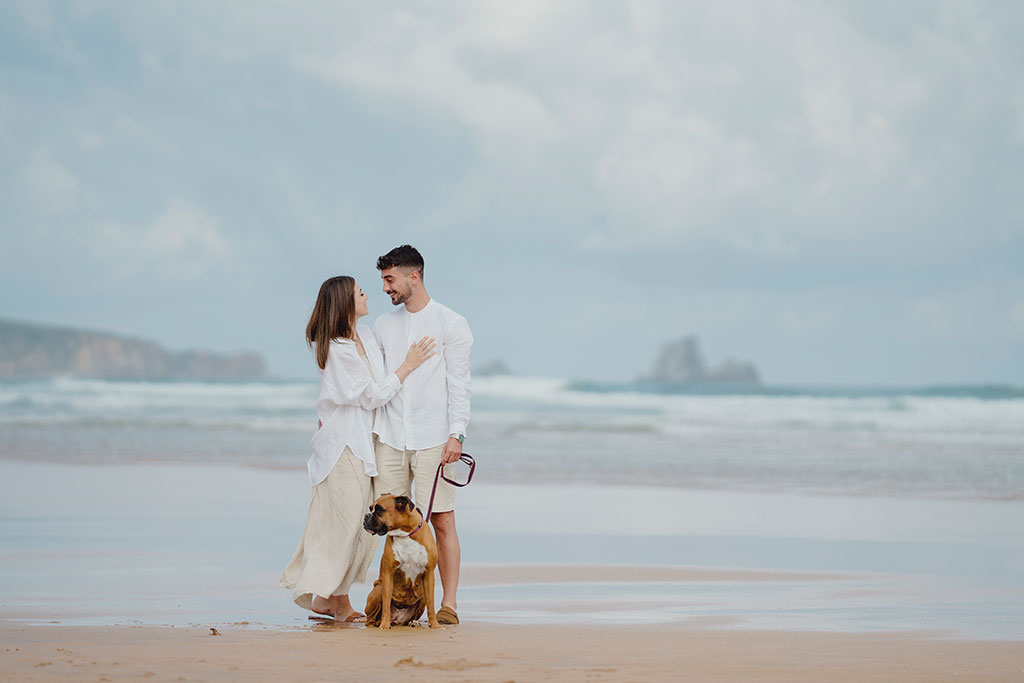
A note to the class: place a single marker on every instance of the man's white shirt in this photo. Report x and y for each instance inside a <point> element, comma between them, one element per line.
<point>433,402</point>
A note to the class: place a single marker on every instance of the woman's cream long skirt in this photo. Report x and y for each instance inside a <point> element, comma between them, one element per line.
<point>335,550</point>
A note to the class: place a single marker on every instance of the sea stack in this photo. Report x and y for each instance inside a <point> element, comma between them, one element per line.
<point>681,363</point>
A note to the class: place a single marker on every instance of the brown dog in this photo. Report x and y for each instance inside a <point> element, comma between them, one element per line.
<point>406,583</point>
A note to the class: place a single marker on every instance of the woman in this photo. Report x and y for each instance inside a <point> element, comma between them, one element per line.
<point>334,550</point>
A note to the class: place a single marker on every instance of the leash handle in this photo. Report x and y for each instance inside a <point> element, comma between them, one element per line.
<point>466,458</point>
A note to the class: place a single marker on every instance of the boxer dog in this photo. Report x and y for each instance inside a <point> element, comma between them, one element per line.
<point>406,583</point>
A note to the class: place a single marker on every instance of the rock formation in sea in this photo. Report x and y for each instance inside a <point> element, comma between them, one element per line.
<point>491,368</point>
<point>30,351</point>
<point>681,363</point>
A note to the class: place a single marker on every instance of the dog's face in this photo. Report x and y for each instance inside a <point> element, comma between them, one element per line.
<point>387,512</point>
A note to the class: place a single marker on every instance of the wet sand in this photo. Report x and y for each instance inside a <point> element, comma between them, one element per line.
<point>490,652</point>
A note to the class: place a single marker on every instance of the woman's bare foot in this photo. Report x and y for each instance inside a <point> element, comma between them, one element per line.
<point>323,606</point>
<point>344,611</point>
<point>338,607</point>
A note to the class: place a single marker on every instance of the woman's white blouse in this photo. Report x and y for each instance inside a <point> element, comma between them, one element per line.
<point>348,398</point>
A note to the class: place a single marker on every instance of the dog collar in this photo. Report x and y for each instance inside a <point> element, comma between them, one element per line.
<point>399,532</point>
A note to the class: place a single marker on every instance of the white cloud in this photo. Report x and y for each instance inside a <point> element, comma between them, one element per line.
<point>50,186</point>
<point>90,141</point>
<point>184,228</point>
<point>1017,318</point>
<point>837,126</point>
<point>142,136</point>
<point>48,32</point>
<point>668,167</point>
<point>932,316</point>
<point>8,106</point>
<point>664,133</point>
<point>1017,121</point>
<point>424,64</point>
<point>181,243</point>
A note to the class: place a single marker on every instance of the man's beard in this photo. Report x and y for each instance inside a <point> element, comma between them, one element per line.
<point>401,299</point>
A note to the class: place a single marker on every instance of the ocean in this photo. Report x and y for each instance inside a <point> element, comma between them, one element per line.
<point>965,442</point>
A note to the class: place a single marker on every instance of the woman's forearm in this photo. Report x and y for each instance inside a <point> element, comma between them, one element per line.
<point>403,371</point>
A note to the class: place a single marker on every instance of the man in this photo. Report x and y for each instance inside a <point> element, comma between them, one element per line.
<point>425,424</point>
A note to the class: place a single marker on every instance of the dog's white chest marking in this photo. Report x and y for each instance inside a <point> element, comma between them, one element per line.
<point>410,555</point>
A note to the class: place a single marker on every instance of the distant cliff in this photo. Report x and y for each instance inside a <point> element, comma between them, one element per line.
<point>29,351</point>
<point>681,363</point>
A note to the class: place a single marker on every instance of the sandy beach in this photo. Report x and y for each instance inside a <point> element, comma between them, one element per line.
<point>491,652</point>
<point>126,571</point>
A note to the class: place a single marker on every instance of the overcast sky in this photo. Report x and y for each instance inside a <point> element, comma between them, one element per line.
<point>834,190</point>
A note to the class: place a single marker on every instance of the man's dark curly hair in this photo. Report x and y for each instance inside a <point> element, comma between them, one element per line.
<point>404,256</point>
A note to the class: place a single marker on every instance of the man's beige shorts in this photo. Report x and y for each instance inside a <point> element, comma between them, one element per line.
<point>396,471</point>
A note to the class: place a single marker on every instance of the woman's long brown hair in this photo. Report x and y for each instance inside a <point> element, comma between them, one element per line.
<point>334,316</point>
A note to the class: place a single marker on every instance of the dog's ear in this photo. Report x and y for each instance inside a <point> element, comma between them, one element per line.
<point>402,503</point>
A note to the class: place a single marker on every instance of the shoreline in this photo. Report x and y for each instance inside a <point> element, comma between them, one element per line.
<point>494,596</point>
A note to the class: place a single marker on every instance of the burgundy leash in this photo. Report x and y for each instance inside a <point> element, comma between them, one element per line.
<point>466,458</point>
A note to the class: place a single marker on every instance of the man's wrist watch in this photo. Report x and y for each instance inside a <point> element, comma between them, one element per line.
<point>460,437</point>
